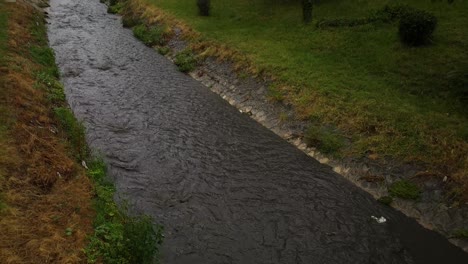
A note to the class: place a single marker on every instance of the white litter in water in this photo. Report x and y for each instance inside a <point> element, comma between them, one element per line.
<point>83,163</point>
<point>379,220</point>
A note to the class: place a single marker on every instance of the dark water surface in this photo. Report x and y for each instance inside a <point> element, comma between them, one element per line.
<point>226,189</point>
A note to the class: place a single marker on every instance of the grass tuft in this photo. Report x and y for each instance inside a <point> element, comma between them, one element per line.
<point>405,189</point>
<point>185,61</point>
<point>151,36</point>
<point>326,140</point>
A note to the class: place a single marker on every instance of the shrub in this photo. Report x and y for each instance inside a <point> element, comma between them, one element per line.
<point>149,35</point>
<point>416,27</point>
<point>203,7</point>
<point>185,61</point>
<point>405,189</point>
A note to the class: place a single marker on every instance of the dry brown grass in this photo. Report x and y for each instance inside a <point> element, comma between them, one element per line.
<point>44,190</point>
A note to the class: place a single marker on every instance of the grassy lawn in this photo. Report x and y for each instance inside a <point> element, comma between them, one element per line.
<point>385,97</point>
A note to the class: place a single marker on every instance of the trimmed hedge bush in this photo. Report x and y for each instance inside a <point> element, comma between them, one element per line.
<point>416,27</point>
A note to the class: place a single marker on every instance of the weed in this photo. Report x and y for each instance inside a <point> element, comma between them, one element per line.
<point>185,60</point>
<point>149,35</point>
<point>326,140</point>
<point>405,189</point>
<point>163,50</point>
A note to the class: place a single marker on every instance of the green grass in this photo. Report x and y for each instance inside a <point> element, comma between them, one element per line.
<point>390,98</point>
<point>405,189</point>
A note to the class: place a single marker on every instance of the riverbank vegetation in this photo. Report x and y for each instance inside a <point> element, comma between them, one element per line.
<point>48,199</point>
<point>377,95</point>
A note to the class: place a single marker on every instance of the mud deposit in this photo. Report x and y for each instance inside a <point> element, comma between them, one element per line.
<point>226,189</point>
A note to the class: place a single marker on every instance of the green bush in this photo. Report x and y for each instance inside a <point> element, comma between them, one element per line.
<point>185,61</point>
<point>203,7</point>
<point>416,27</point>
<point>149,35</point>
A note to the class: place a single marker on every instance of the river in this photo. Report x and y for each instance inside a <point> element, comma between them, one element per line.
<point>226,189</point>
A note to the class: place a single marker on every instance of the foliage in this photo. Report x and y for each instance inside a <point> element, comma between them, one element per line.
<point>203,7</point>
<point>118,237</point>
<point>405,189</point>
<point>416,27</point>
<point>185,60</point>
<point>326,140</point>
<point>151,36</point>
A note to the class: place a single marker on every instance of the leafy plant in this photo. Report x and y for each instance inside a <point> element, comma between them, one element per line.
<point>185,60</point>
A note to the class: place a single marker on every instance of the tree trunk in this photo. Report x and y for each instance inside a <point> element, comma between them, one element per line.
<point>307,6</point>
<point>203,7</point>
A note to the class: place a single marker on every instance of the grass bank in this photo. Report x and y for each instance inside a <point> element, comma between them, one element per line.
<point>52,209</point>
<point>362,90</point>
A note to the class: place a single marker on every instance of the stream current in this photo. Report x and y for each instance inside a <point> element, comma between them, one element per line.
<point>226,189</point>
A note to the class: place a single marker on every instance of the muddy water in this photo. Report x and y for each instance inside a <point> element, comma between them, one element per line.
<point>226,189</point>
